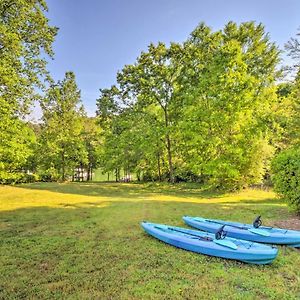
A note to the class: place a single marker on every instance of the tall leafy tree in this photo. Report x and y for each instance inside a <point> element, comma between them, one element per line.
<point>294,97</point>
<point>107,115</point>
<point>62,147</point>
<point>228,90</point>
<point>150,84</point>
<point>26,37</point>
<point>286,164</point>
<point>92,139</point>
<point>17,142</point>
<point>293,50</point>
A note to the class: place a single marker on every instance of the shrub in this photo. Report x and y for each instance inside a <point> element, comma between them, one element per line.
<point>286,176</point>
<point>17,177</point>
<point>49,175</point>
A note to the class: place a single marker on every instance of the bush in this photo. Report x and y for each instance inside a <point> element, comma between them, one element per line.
<point>188,176</point>
<point>17,177</point>
<point>49,175</point>
<point>286,176</point>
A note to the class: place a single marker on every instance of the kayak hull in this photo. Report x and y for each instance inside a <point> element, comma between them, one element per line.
<point>199,242</point>
<point>244,231</point>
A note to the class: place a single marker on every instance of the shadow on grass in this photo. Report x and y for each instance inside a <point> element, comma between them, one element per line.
<point>153,210</point>
<point>127,190</point>
<point>265,201</point>
<point>82,249</point>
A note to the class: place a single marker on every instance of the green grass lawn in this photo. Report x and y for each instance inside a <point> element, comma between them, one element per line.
<point>84,241</point>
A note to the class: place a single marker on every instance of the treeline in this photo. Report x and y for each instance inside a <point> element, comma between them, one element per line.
<point>66,142</point>
<point>210,109</point>
<point>214,109</point>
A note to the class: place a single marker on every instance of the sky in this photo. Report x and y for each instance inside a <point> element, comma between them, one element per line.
<point>96,38</point>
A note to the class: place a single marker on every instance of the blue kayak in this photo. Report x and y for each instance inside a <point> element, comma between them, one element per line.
<point>249,232</point>
<point>206,243</point>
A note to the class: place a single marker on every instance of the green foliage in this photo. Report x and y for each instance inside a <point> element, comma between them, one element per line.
<point>17,142</point>
<point>229,98</point>
<point>206,107</point>
<point>92,139</point>
<point>293,49</point>
<point>48,174</point>
<point>286,165</point>
<point>287,115</point>
<point>61,146</point>
<point>295,116</point>
<point>151,86</point>
<point>17,177</point>
<point>25,39</point>
<point>286,176</point>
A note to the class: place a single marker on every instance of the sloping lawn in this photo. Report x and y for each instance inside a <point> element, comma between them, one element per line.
<point>84,241</point>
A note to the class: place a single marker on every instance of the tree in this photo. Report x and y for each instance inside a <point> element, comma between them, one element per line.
<point>25,38</point>
<point>17,142</point>
<point>126,135</point>
<point>203,110</point>
<point>293,49</point>
<point>151,82</point>
<point>92,138</point>
<point>286,164</point>
<point>61,145</point>
<point>107,113</point>
<point>286,176</point>
<point>228,87</point>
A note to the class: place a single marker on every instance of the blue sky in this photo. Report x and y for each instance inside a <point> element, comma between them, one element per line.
<point>97,38</point>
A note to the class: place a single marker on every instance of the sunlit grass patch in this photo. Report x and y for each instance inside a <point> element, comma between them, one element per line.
<point>68,194</point>
<point>84,241</point>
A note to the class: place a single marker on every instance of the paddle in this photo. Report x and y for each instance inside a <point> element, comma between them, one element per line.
<point>226,243</point>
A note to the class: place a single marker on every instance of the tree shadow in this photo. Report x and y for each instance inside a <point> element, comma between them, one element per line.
<point>127,190</point>
<point>79,245</point>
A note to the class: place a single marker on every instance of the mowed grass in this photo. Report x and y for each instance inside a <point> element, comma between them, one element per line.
<point>84,241</point>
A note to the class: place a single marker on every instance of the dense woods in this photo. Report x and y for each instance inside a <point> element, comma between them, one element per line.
<point>215,109</point>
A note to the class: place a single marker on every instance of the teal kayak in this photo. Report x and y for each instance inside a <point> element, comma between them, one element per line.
<point>208,244</point>
<point>250,232</point>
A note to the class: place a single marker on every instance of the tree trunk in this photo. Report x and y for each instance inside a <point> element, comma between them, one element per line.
<point>168,140</point>
<point>170,159</point>
<point>158,166</point>
<point>138,175</point>
<point>88,173</point>
<point>63,165</point>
